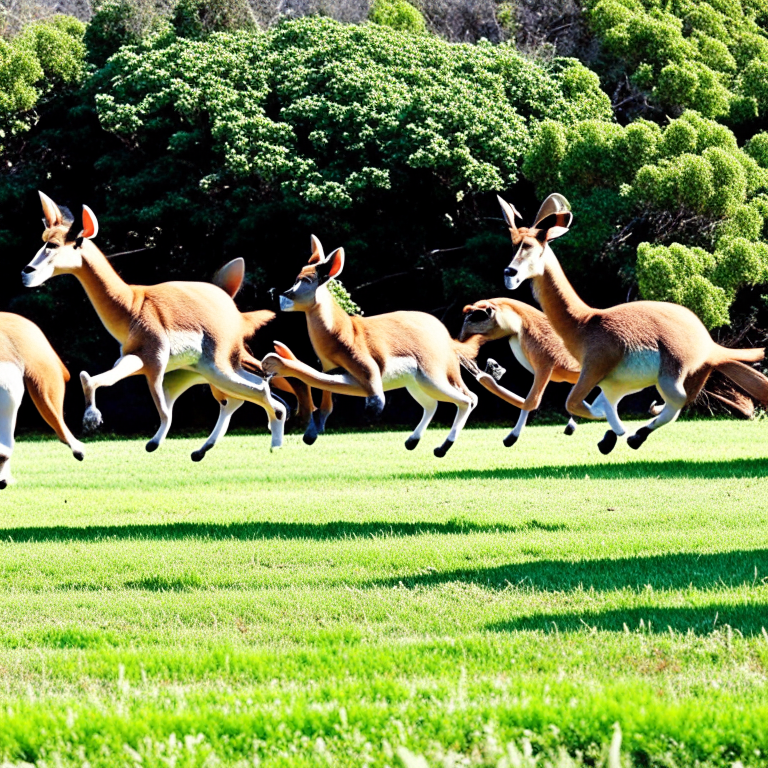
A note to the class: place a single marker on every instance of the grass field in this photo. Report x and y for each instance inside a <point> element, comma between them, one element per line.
<point>330,605</point>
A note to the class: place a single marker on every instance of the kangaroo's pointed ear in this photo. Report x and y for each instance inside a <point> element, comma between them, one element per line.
<point>230,277</point>
<point>554,217</point>
<point>332,266</point>
<point>318,254</point>
<point>336,261</point>
<point>509,211</point>
<point>90,224</point>
<point>51,213</point>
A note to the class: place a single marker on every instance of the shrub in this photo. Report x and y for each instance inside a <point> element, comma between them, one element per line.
<point>687,54</point>
<point>398,14</point>
<point>335,113</point>
<point>46,55</point>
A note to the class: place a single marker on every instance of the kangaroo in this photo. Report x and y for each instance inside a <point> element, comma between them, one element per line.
<point>165,331</point>
<point>367,356</point>
<point>27,360</point>
<point>625,348</point>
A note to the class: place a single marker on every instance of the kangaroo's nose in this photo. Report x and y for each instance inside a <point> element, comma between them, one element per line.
<point>28,270</point>
<point>510,272</point>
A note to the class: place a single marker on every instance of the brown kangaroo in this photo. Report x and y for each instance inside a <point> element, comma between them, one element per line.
<point>27,359</point>
<point>625,348</point>
<point>534,344</point>
<point>165,331</point>
<point>367,356</point>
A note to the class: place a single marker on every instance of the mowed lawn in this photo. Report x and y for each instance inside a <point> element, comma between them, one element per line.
<point>328,605</point>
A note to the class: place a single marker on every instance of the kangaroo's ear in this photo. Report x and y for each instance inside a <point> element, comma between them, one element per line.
<point>554,217</point>
<point>332,266</point>
<point>230,277</point>
<point>90,224</point>
<point>509,212</point>
<point>52,216</point>
<point>318,255</point>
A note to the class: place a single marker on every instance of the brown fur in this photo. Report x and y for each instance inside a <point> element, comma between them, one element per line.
<point>610,343</point>
<point>24,346</point>
<point>541,346</point>
<point>369,351</point>
<point>156,325</point>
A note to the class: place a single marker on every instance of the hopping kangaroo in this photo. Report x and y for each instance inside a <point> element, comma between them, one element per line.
<point>27,360</point>
<point>165,331</point>
<point>625,348</point>
<point>534,344</point>
<point>367,356</point>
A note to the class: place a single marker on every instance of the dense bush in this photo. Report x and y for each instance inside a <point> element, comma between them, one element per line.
<point>397,14</point>
<point>690,54</point>
<point>45,56</point>
<point>332,113</point>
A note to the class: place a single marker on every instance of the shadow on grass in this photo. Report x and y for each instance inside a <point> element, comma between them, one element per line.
<point>671,571</point>
<point>261,529</point>
<point>748,619</point>
<point>671,469</point>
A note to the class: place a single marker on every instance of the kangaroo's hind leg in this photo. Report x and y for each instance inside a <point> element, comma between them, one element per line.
<point>440,388</point>
<point>11,394</point>
<point>227,406</point>
<point>48,396</point>
<point>429,404</point>
<point>677,390</point>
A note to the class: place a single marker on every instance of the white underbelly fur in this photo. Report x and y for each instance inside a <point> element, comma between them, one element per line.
<point>640,369</point>
<point>517,351</point>
<point>186,349</point>
<point>398,372</point>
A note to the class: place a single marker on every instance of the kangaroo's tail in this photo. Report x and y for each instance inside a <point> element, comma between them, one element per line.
<point>735,399</point>
<point>727,355</point>
<point>751,381</point>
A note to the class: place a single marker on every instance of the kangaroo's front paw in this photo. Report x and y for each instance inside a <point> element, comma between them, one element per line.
<point>273,365</point>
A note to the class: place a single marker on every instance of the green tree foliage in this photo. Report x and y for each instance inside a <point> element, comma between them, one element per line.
<point>690,54</point>
<point>45,56</point>
<point>397,14</point>
<point>332,113</point>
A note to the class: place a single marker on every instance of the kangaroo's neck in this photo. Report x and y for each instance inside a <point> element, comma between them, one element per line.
<point>566,312</point>
<point>326,320</point>
<point>112,298</point>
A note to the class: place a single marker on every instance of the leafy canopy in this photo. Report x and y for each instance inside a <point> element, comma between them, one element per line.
<point>330,113</point>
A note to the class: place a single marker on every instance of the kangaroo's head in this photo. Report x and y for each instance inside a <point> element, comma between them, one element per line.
<point>553,220</point>
<point>320,269</point>
<point>480,318</point>
<point>63,238</point>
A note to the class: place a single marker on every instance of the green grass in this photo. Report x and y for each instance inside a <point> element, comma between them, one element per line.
<point>328,605</point>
